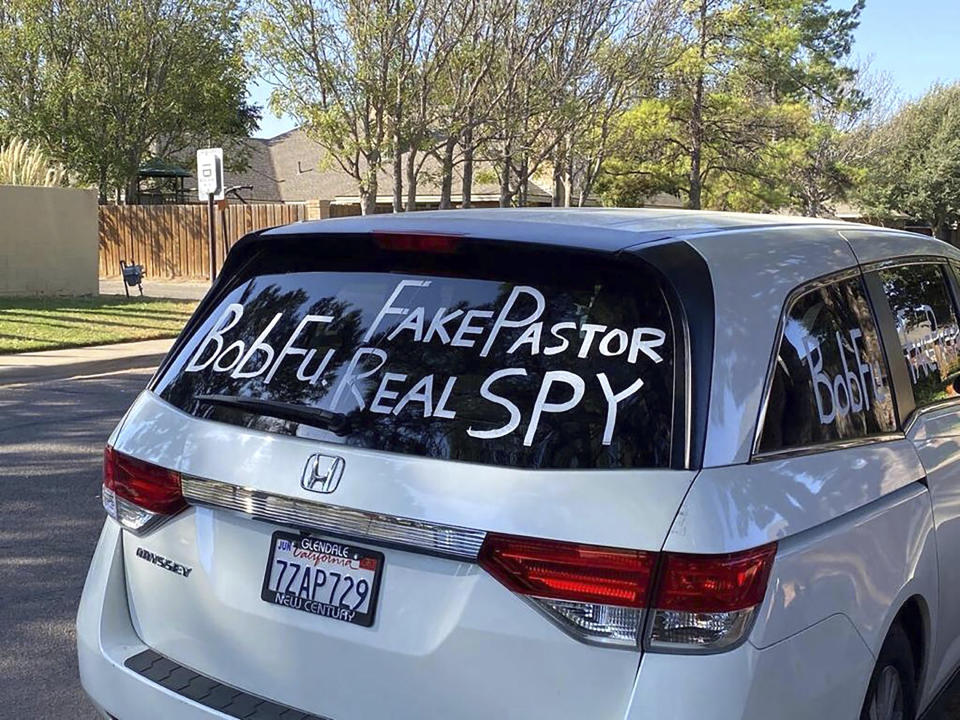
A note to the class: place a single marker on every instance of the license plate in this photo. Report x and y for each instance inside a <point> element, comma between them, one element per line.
<point>323,577</point>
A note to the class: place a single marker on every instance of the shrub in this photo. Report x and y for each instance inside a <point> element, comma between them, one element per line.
<point>22,165</point>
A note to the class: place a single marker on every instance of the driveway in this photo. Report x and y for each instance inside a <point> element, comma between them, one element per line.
<point>51,444</point>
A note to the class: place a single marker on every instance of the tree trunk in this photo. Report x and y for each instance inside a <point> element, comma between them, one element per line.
<point>368,194</point>
<point>942,229</point>
<point>446,173</point>
<point>398,114</point>
<point>131,188</point>
<point>588,177</point>
<point>696,148</point>
<point>559,196</point>
<point>397,180</point>
<point>368,202</point>
<point>584,190</point>
<point>523,181</point>
<point>131,192</point>
<point>505,195</point>
<point>411,180</point>
<point>369,185</point>
<point>466,187</point>
<point>102,184</point>
<point>696,119</point>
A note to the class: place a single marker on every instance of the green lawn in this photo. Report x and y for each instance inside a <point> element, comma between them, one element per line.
<point>51,323</point>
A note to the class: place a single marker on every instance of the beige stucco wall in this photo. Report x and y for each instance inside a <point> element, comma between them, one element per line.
<point>48,241</point>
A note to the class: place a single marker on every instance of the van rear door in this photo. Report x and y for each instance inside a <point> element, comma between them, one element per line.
<point>426,477</point>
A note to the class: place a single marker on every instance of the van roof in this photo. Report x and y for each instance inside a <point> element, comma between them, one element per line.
<point>611,229</point>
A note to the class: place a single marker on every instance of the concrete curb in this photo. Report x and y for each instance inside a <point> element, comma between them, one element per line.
<point>95,360</point>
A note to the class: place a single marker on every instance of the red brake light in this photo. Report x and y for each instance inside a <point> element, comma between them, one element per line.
<point>569,571</point>
<point>714,583</point>
<point>150,487</point>
<point>416,242</point>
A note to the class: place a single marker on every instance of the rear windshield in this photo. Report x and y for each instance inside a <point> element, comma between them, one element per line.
<point>555,368</point>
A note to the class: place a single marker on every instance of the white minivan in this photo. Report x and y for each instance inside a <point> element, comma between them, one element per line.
<point>479,464</point>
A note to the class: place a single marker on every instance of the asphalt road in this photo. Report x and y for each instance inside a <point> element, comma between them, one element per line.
<point>51,449</point>
<point>51,444</point>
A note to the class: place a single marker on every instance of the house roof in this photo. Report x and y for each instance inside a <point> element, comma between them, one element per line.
<point>293,168</point>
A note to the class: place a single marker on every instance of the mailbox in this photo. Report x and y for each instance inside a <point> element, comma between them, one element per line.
<point>132,276</point>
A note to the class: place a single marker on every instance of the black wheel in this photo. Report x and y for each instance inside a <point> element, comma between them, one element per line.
<point>892,693</point>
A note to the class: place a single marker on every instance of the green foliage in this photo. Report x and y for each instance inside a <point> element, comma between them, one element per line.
<point>517,84</point>
<point>104,85</point>
<point>21,164</point>
<point>735,126</point>
<point>916,170</point>
<point>335,66</point>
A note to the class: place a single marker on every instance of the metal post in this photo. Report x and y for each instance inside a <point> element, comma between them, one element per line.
<point>223,229</point>
<point>212,237</point>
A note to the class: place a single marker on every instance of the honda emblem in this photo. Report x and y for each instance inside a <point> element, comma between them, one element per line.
<point>322,473</point>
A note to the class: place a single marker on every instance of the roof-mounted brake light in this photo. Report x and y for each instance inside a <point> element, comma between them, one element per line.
<point>416,242</point>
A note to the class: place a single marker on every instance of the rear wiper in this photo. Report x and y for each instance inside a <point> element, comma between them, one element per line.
<point>337,423</point>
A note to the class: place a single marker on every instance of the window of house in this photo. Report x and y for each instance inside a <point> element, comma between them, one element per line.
<point>830,382</point>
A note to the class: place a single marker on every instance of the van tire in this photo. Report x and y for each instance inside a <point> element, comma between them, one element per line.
<point>893,682</point>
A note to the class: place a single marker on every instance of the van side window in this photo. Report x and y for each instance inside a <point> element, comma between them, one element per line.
<point>830,382</point>
<point>927,327</point>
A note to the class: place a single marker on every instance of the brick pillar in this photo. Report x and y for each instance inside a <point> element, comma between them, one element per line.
<point>318,209</point>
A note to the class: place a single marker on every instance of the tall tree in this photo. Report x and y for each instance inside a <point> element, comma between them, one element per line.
<point>821,165</point>
<point>334,66</point>
<point>916,169</point>
<point>544,74</point>
<point>102,86</point>
<point>622,69</point>
<point>741,69</point>
<point>450,79</point>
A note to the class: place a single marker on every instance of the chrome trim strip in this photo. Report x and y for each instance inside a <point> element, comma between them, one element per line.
<point>446,540</point>
<point>826,447</point>
<point>904,260</point>
<point>920,412</point>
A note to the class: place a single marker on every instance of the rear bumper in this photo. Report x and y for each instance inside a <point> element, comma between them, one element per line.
<point>111,657</point>
<point>819,673</point>
<point>105,638</point>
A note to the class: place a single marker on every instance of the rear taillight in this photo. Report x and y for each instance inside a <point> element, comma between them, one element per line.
<point>597,594</point>
<point>706,603</point>
<point>138,494</point>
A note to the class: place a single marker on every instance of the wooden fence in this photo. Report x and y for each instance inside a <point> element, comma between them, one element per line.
<point>170,241</point>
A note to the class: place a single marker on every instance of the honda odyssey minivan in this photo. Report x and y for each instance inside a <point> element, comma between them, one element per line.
<point>542,464</point>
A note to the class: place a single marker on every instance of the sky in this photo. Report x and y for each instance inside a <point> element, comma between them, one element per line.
<point>270,124</point>
<point>913,42</point>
